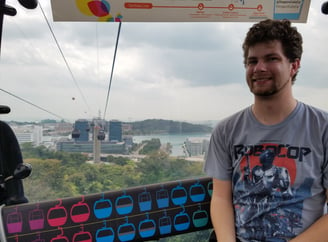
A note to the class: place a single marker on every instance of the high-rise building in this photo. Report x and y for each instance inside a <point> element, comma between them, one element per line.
<point>115,131</point>
<point>28,134</point>
<point>82,127</point>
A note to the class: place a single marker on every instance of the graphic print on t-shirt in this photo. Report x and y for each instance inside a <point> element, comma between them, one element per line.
<point>268,206</point>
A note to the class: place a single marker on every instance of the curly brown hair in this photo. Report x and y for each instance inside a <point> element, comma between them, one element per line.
<point>281,30</point>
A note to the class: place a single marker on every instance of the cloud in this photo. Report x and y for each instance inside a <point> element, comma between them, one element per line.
<point>181,71</point>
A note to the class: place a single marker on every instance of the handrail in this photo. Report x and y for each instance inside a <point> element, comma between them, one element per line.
<point>139,213</point>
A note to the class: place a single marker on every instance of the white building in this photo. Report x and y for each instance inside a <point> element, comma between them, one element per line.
<point>196,146</point>
<point>28,134</point>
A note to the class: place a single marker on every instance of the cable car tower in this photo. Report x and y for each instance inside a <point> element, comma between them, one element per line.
<point>96,144</point>
<point>97,127</point>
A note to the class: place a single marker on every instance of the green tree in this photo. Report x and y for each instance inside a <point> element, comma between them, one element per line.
<point>151,146</point>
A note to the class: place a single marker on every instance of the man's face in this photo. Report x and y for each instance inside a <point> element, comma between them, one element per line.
<point>268,71</point>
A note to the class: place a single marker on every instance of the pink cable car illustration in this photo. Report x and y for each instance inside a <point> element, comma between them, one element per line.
<point>39,239</point>
<point>14,222</point>
<point>36,218</point>
<point>80,212</point>
<point>82,236</point>
<point>57,216</point>
<point>60,237</point>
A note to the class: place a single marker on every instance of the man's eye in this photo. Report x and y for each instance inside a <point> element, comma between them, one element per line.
<point>251,62</point>
<point>273,58</point>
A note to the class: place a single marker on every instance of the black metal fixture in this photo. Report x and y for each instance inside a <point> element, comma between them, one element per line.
<point>4,109</point>
<point>324,8</point>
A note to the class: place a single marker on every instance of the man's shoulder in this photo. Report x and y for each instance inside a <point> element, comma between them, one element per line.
<point>315,111</point>
<point>235,118</point>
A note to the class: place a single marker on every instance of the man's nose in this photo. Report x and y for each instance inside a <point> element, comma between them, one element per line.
<point>260,66</point>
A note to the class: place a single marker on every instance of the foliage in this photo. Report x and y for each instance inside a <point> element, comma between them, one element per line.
<point>150,146</point>
<point>160,126</point>
<point>199,236</point>
<point>159,167</point>
<point>58,175</point>
<point>117,160</point>
<point>41,152</point>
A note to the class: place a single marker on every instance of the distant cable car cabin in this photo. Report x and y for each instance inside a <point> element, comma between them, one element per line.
<point>101,135</point>
<point>76,134</point>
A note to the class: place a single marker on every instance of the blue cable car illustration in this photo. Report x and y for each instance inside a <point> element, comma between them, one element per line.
<point>126,231</point>
<point>80,212</point>
<point>105,234</point>
<point>165,224</point>
<point>145,201</point>
<point>124,204</point>
<point>200,218</point>
<point>197,192</point>
<point>179,195</point>
<point>147,227</point>
<point>103,208</point>
<point>181,221</point>
<point>162,198</point>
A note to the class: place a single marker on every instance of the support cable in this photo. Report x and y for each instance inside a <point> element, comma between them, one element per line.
<point>26,101</point>
<point>67,65</point>
<point>111,75</point>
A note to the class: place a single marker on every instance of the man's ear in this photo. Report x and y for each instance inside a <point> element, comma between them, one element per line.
<point>295,66</point>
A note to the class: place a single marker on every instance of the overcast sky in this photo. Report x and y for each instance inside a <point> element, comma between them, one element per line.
<point>179,71</point>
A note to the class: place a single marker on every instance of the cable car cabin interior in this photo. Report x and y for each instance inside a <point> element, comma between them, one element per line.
<point>138,212</point>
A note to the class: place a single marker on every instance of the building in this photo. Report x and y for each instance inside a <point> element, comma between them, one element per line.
<point>115,131</point>
<point>196,146</point>
<point>82,128</point>
<point>87,147</point>
<point>28,134</point>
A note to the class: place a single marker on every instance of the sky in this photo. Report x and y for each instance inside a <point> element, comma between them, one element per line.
<point>177,71</point>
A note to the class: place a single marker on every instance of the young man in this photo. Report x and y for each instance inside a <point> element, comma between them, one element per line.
<point>269,162</point>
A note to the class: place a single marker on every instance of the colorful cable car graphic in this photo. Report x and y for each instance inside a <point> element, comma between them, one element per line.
<point>197,192</point>
<point>60,237</point>
<point>14,222</point>
<point>39,239</point>
<point>80,212</point>
<point>124,204</point>
<point>162,198</point>
<point>36,219</point>
<point>82,236</point>
<point>144,200</point>
<point>200,218</point>
<point>147,228</point>
<point>165,224</point>
<point>57,216</point>
<point>105,234</point>
<point>102,208</point>
<point>210,188</point>
<point>126,231</point>
<point>179,195</point>
<point>181,221</point>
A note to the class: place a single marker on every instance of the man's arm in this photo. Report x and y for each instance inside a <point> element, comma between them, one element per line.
<point>317,232</point>
<point>222,213</point>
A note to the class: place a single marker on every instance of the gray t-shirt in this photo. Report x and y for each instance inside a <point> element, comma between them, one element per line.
<point>279,172</point>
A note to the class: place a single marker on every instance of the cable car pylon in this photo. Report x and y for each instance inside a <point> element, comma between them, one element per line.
<point>96,144</point>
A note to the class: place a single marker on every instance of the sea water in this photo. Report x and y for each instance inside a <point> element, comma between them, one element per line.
<point>176,140</point>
